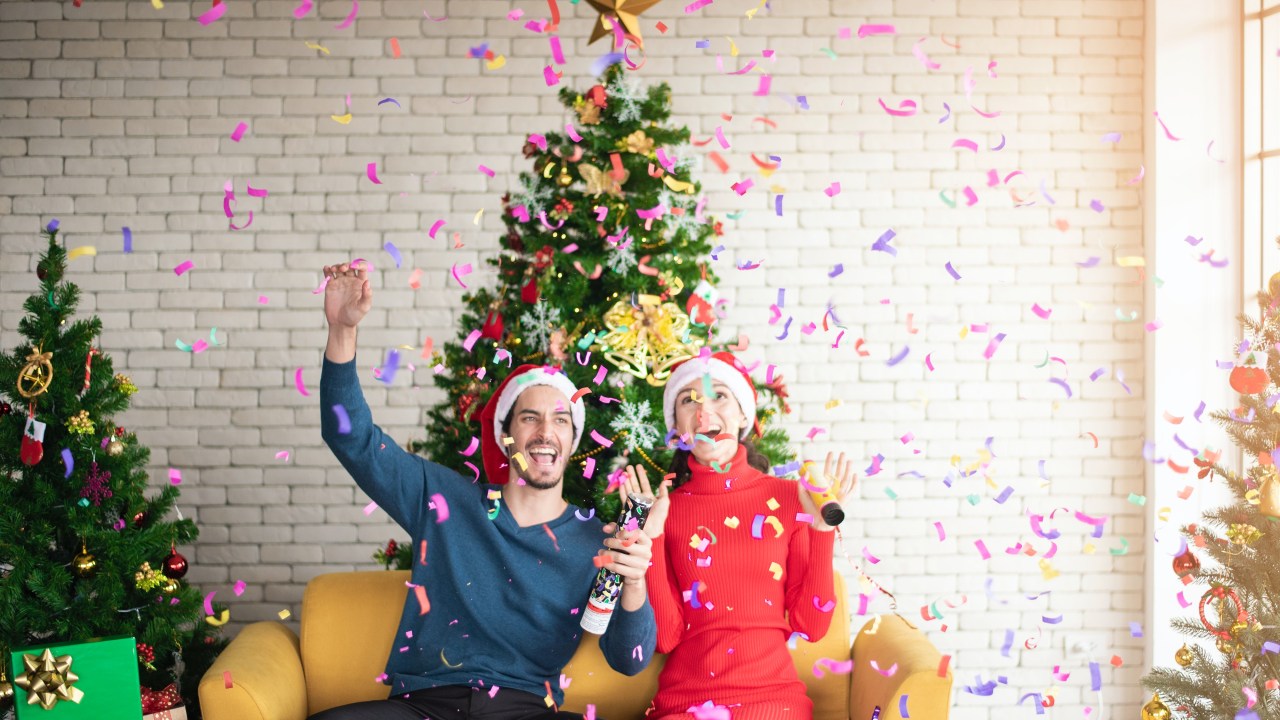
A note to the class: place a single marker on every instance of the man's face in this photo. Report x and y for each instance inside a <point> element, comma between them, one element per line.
<point>542,431</point>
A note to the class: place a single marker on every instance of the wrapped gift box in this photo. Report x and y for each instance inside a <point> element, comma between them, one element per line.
<point>105,681</point>
<point>178,713</point>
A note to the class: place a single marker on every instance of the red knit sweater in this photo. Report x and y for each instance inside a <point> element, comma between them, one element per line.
<point>760,573</point>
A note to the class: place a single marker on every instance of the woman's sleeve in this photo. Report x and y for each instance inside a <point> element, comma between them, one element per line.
<point>810,585</point>
<point>664,596</point>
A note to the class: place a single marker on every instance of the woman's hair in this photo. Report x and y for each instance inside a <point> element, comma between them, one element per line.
<point>680,463</point>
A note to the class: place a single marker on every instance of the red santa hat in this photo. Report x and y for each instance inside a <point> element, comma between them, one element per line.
<point>722,366</point>
<point>495,413</point>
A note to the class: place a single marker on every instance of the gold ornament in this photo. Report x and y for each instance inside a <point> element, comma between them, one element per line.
<point>80,424</point>
<point>1243,533</point>
<point>147,579</point>
<point>1269,493</point>
<point>1156,710</point>
<point>37,374</point>
<point>171,587</point>
<point>647,339</point>
<point>1238,627</point>
<point>1184,656</point>
<point>115,447</point>
<point>1239,662</point>
<point>600,181</point>
<point>588,112</point>
<point>125,384</point>
<point>638,143</point>
<point>6,688</point>
<point>48,679</point>
<point>84,564</point>
<point>1225,646</point>
<point>626,11</point>
<point>564,179</point>
<point>1274,284</point>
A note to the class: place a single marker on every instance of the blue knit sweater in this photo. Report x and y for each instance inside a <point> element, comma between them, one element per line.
<point>505,601</point>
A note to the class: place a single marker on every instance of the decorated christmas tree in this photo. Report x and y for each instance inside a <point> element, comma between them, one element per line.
<point>1233,671</point>
<point>603,272</point>
<point>84,551</point>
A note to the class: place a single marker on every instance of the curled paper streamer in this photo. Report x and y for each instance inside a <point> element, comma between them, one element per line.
<point>441,507</point>
<point>344,422</point>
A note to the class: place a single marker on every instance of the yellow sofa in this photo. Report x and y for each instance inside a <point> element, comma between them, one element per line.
<point>349,620</point>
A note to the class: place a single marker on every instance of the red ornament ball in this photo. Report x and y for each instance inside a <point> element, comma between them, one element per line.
<point>1186,563</point>
<point>5,409</point>
<point>174,566</point>
<point>1249,380</point>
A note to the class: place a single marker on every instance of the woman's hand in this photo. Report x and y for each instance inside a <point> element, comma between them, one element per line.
<point>837,475</point>
<point>638,482</point>
<point>347,295</point>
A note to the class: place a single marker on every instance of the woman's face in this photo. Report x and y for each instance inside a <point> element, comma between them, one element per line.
<point>716,416</point>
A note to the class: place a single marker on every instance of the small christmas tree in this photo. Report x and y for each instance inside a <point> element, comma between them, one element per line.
<point>603,273</point>
<point>1237,609</point>
<point>84,553</point>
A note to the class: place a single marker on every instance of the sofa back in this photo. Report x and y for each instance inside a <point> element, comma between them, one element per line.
<point>349,622</point>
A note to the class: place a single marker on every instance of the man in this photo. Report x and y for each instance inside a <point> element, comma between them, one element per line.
<point>504,569</point>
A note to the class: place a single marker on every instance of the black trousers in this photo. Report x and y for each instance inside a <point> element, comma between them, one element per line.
<point>452,702</point>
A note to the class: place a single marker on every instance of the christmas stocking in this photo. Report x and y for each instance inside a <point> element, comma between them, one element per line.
<point>32,441</point>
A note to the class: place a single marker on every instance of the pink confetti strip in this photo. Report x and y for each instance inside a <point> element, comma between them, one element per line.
<point>182,268</point>
<point>866,553</point>
<point>372,171</point>
<point>928,361</point>
<point>572,132</point>
<point>835,667</point>
<point>441,507</point>
<point>458,271</point>
<point>601,439</point>
<point>826,607</point>
<point>922,57</point>
<point>982,549</point>
<point>239,132</point>
<point>696,5</point>
<point>965,143</point>
<point>1041,312</point>
<point>239,588</point>
<point>471,449</point>
<point>589,468</point>
<point>435,227</point>
<point>1154,325</point>
<point>724,142</point>
<point>209,17</point>
<point>765,82</point>
<point>208,603</point>
<point>867,30</point>
<point>471,340</point>
<point>1165,128</point>
<point>906,108</point>
<point>743,186</point>
<point>993,346</point>
<point>971,198</point>
<point>482,168</point>
<point>887,673</point>
<point>297,381</point>
<point>368,509</point>
<point>833,189</point>
<point>551,76</point>
<point>351,16</point>
<point>303,8</point>
<point>557,53</point>
<point>942,532</point>
<point>175,476</point>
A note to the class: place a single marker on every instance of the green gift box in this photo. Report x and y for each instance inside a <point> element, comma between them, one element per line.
<point>106,679</point>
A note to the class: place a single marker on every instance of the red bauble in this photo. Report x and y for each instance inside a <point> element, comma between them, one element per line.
<point>1249,380</point>
<point>529,293</point>
<point>597,95</point>
<point>174,566</point>
<point>542,259</point>
<point>493,326</point>
<point>5,409</point>
<point>140,519</point>
<point>1186,563</point>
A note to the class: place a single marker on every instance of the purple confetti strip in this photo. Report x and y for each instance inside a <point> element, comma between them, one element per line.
<point>1095,676</point>
<point>128,239</point>
<point>387,374</point>
<point>1004,494</point>
<point>1135,630</point>
<point>69,461</point>
<point>344,422</point>
<point>882,243</point>
<point>1008,643</point>
<point>839,268</point>
<point>952,271</point>
<point>902,354</point>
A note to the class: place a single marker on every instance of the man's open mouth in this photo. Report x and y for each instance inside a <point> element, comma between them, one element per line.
<point>544,456</point>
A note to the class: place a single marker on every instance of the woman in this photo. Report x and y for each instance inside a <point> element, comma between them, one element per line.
<point>741,559</point>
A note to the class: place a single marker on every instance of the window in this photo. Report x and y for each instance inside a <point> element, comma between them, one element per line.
<point>1261,128</point>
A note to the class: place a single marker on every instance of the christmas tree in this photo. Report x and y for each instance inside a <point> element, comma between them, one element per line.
<point>84,553</point>
<point>1235,596</point>
<point>602,272</point>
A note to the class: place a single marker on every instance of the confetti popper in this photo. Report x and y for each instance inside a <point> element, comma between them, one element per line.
<point>608,584</point>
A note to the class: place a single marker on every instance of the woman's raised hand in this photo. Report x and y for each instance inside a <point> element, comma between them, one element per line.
<point>840,478</point>
<point>638,482</point>
<point>347,295</point>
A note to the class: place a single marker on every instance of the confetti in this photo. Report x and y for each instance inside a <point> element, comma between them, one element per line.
<point>183,267</point>
<point>238,133</point>
<point>297,381</point>
<point>344,422</point>
<point>175,476</point>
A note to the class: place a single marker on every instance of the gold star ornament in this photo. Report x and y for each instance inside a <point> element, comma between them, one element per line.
<point>48,679</point>
<point>626,11</point>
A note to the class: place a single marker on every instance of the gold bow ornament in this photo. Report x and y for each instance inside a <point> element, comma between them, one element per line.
<point>648,338</point>
<point>48,679</point>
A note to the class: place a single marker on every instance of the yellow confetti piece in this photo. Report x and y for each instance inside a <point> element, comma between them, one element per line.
<point>446,662</point>
<point>1253,497</point>
<point>476,220</point>
<point>321,48</point>
<point>733,47</point>
<point>773,504</point>
<point>695,541</point>
<point>1088,549</point>
<point>873,627</point>
<point>220,620</point>
<point>495,494</point>
<point>497,63</point>
<point>678,185</point>
<point>507,440</point>
<point>520,461</point>
<point>832,404</point>
<point>1047,570</point>
<point>341,119</point>
<point>731,522</point>
<point>964,332</point>
<point>776,524</point>
<point>1131,261</point>
<point>776,569</point>
<point>751,14</point>
<point>86,250</point>
<point>1163,513</point>
<point>157,4</point>
<point>283,614</point>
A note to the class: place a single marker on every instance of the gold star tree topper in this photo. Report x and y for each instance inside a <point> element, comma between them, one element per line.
<point>626,11</point>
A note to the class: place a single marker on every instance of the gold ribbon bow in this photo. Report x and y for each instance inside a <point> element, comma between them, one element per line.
<point>48,679</point>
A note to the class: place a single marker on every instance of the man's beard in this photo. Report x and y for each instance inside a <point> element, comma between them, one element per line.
<point>539,483</point>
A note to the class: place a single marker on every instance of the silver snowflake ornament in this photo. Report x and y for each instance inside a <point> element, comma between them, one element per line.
<point>633,419</point>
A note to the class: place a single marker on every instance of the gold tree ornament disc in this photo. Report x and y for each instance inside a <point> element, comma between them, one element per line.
<point>35,376</point>
<point>647,339</point>
<point>1184,656</point>
<point>1156,710</point>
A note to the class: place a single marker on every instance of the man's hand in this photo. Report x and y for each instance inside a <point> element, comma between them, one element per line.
<point>347,298</point>
<point>629,556</point>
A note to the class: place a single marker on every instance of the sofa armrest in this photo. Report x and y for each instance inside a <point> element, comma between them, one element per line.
<point>267,682</point>
<point>898,642</point>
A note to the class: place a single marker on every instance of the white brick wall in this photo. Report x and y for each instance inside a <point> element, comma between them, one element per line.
<point>117,114</point>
